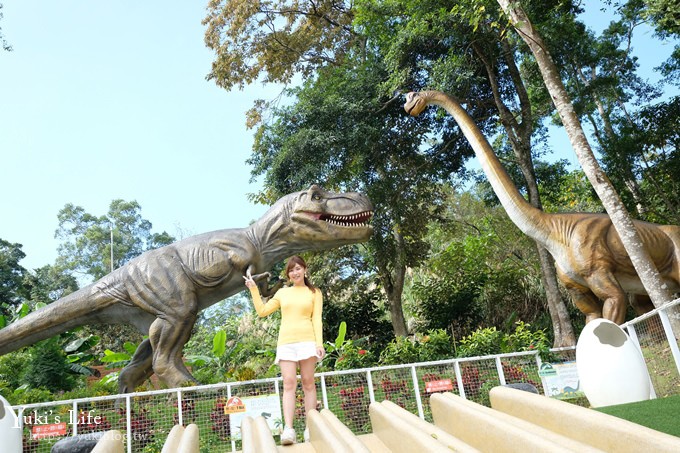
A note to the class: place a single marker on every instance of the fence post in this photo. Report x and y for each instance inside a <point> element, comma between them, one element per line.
<point>75,418</point>
<point>670,336</point>
<point>369,382</point>
<point>632,333</point>
<point>180,419</point>
<point>233,441</point>
<point>459,379</point>
<point>416,388</point>
<point>128,422</point>
<point>21,420</point>
<point>324,392</point>
<point>499,369</point>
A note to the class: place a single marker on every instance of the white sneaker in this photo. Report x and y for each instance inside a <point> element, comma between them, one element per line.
<point>306,435</point>
<point>288,436</point>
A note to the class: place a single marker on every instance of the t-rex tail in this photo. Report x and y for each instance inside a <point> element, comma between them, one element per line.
<point>58,317</point>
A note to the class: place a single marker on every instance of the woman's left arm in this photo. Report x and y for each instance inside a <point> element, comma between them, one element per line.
<point>317,323</point>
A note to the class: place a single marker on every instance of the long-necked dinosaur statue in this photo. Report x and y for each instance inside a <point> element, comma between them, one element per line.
<point>590,259</point>
<point>161,291</point>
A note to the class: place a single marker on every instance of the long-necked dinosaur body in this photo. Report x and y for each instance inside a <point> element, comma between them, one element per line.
<point>591,261</point>
<point>161,291</point>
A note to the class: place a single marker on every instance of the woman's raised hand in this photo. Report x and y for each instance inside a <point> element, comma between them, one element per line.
<point>250,283</point>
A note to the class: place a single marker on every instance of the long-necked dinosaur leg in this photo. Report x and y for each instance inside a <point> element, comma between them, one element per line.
<point>641,303</point>
<point>138,370</point>
<point>614,301</point>
<point>168,338</point>
<point>585,301</point>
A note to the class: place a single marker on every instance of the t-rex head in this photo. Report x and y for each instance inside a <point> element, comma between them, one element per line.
<point>315,219</point>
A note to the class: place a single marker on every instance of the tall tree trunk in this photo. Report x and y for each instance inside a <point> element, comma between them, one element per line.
<point>393,283</point>
<point>630,239</point>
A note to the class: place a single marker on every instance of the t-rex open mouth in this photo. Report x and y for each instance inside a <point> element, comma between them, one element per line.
<point>352,220</point>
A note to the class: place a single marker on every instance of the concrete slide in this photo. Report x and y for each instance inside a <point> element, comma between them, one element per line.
<point>518,421</point>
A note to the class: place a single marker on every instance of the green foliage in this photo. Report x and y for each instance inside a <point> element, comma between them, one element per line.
<point>435,345</point>
<point>13,368</point>
<point>646,150</point>
<point>346,354</point>
<point>483,341</point>
<point>219,343</point>
<point>47,284</point>
<point>445,295</point>
<point>11,276</point>
<point>355,299</point>
<point>489,341</point>
<point>273,41</point>
<point>26,395</point>
<point>400,350</point>
<point>48,367</point>
<point>234,346</point>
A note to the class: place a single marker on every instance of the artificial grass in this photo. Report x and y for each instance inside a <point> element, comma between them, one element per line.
<point>660,414</point>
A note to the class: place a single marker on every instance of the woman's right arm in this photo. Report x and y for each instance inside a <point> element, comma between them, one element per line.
<point>261,308</point>
<point>264,309</point>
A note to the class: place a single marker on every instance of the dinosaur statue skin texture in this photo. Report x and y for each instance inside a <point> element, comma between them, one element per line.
<point>590,259</point>
<point>161,291</point>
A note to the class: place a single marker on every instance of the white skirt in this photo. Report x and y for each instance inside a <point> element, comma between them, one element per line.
<point>295,352</point>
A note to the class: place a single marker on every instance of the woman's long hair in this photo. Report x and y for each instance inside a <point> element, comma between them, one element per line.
<point>292,261</point>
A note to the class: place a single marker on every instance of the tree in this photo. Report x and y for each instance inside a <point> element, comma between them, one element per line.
<point>342,132</point>
<point>5,45</point>
<point>645,146</point>
<point>49,368</point>
<point>47,284</point>
<point>639,256</point>
<point>475,60</point>
<point>11,278</point>
<point>86,239</point>
<point>276,38</point>
<point>86,249</point>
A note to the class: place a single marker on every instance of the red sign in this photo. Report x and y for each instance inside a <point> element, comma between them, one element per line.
<point>50,430</point>
<point>234,405</point>
<point>441,385</point>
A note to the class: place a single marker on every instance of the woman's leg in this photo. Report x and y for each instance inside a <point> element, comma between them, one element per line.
<point>307,368</point>
<point>289,375</point>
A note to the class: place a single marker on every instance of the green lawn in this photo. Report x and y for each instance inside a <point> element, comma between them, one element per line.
<point>660,414</point>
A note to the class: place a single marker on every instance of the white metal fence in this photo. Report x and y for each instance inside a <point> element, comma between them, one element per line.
<point>146,418</point>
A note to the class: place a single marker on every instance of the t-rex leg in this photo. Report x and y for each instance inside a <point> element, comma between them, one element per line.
<point>138,370</point>
<point>167,340</point>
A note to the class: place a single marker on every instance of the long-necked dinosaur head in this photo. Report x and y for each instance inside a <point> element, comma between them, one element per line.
<point>416,102</point>
<point>315,219</point>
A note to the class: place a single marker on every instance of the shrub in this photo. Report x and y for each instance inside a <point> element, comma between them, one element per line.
<point>435,345</point>
<point>49,368</point>
<point>400,350</point>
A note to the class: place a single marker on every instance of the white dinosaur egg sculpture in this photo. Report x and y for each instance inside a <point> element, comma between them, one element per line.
<point>610,367</point>
<point>10,434</point>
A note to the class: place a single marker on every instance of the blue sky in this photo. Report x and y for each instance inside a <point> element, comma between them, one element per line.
<point>108,99</point>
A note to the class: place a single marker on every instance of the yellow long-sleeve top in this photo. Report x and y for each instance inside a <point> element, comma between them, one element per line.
<point>300,313</point>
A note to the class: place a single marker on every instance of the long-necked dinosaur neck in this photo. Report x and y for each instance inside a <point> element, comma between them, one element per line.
<point>161,291</point>
<point>591,261</point>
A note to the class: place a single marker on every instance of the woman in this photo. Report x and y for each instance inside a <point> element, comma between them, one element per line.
<point>300,340</point>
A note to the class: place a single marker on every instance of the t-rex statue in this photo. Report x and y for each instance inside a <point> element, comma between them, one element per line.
<point>161,291</point>
<point>590,259</point>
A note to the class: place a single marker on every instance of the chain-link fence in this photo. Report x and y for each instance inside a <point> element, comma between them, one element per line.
<point>145,419</point>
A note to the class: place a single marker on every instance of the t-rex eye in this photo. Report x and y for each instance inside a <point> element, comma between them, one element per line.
<point>316,197</point>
